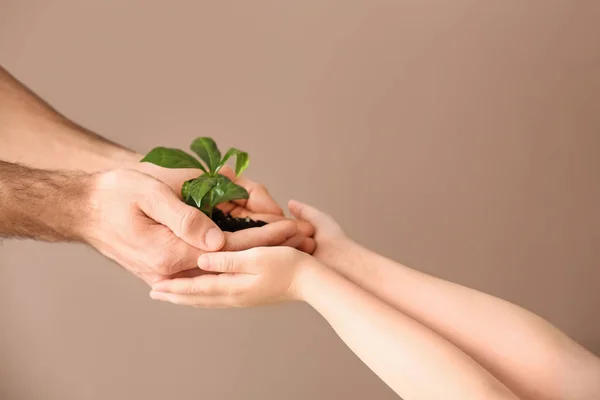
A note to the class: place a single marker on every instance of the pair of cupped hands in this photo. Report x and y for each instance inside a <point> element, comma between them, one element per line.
<point>187,260</point>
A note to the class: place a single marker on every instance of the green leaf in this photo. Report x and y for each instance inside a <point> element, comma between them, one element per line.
<point>241,160</point>
<point>185,193</point>
<point>172,158</point>
<point>207,150</point>
<point>225,190</point>
<point>199,188</point>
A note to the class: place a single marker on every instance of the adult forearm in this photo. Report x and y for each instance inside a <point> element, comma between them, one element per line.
<point>414,361</point>
<point>42,205</point>
<point>527,353</point>
<point>34,134</point>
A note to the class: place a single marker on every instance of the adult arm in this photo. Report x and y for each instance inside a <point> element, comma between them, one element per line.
<point>130,217</point>
<point>32,133</point>
<point>35,134</point>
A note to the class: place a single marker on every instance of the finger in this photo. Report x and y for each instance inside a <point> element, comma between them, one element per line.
<point>229,262</point>
<point>194,301</point>
<point>308,246</point>
<point>295,241</point>
<point>208,285</point>
<point>190,273</point>
<point>272,234</point>
<point>187,222</point>
<point>304,227</point>
<point>310,214</point>
<point>241,212</point>
<point>178,257</point>
<point>259,199</point>
<point>165,254</point>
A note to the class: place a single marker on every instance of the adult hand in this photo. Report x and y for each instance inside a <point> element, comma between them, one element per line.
<point>140,223</point>
<point>259,206</point>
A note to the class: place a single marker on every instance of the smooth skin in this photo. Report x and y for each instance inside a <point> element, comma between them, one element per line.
<point>62,182</point>
<point>410,328</point>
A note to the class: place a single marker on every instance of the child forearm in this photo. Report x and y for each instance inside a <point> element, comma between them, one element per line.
<point>533,358</point>
<point>414,361</point>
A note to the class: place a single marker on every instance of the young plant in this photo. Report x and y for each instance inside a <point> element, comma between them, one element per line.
<point>211,188</point>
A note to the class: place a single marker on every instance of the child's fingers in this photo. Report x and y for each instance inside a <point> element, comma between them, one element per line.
<point>205,285</point>
<point>194,301</point>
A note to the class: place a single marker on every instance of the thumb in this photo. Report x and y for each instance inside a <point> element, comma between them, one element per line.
<point>321,221</point>
<point>186,222</point>
<point>229,262</point>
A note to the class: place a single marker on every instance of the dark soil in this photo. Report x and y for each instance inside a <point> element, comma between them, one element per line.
<point>227,223</point>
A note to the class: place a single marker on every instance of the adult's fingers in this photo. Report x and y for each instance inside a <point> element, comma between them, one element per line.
<point>304,227</point>
<point>190,273</point>
<point>175,257</point>
<point>188,223</point>
<point>308,245</point>
<point>272,234</point>
<point>295,241</point>
<point>259,199</point>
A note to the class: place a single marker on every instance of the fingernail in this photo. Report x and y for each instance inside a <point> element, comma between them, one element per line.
<point>156,295</point>
<point>214,239</point>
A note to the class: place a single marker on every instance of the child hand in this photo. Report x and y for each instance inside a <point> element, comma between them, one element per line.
<point>333,247</point>
<point>247,278</point>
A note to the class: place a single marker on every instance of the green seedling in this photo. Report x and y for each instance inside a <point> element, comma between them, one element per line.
<point>211,188</point>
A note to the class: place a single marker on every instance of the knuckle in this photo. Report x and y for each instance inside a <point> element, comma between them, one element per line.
<point>192,290</point>
<point>162,263</point>
<point>156,186</point>
<point>110,180</point>
<point>187,221</point>
<point>152,202</point>
<point>227,264</point>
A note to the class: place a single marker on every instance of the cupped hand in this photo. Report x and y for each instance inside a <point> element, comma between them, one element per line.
<point>259,206</point>
<point>333,247</point>
<point>140,222</point>
<point>261,275</point>
<point>248,278</point>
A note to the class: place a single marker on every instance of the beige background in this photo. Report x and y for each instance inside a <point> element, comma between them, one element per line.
<point>459,137</point>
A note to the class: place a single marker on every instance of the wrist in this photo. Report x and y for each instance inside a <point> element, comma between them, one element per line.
<point>125,159</point>
<point>75,210</point>
<point>308,275</point>
<point>41,204</point>
<point>341,253</point>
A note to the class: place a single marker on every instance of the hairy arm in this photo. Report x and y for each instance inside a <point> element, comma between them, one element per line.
<point>42,205</point>
<point>527,353</point>
<point>35,134</point>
